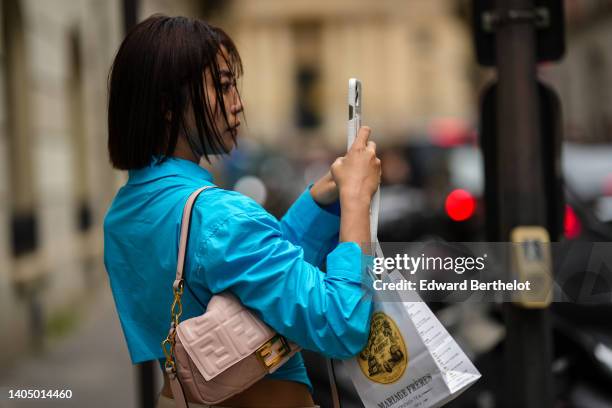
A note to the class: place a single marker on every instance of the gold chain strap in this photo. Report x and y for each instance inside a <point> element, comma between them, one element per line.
<point>175,313</point>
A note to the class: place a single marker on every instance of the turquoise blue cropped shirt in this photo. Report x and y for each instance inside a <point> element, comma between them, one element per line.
<point>272,266</point>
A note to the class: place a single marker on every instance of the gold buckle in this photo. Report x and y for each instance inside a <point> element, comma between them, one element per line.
<point>273,351</point>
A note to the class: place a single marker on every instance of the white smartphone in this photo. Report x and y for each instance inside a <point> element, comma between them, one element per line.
<point>353,125</point>
<point>354,110</point>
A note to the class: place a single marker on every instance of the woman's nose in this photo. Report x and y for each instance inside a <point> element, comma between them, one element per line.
<point>236,106</point>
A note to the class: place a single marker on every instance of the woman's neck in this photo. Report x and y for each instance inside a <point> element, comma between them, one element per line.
<point>183,151</point>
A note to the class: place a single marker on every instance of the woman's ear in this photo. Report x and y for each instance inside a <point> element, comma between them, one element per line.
<point>168,116</point>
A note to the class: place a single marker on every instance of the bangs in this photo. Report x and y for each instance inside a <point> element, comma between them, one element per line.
<point>213,44</point>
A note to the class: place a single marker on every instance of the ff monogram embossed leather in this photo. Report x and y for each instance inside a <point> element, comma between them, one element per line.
<point>210,358</point>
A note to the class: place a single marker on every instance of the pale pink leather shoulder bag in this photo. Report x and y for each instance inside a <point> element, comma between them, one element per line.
<point>211,357</point>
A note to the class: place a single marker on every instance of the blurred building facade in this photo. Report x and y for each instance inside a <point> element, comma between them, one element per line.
<point>55,182</point>
<point>414,58</point>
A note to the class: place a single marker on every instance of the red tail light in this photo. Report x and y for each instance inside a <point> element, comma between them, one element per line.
<point>460,205</point>
<point>572,224</point>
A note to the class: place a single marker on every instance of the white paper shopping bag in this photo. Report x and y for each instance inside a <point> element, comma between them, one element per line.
<point>410,360</point>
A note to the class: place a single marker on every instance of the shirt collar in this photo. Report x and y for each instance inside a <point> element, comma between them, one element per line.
<point>172,166</point>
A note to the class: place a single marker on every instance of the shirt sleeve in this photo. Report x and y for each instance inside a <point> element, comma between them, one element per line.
<point>313,227</point>
<point>329,313</point>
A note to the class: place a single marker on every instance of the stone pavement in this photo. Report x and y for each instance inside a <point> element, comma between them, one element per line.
<point>92,361</point>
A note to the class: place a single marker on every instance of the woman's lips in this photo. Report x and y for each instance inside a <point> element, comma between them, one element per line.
<point>234,129</point>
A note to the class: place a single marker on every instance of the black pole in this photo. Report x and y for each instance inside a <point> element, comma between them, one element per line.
<point>130,14</point>
<point>521,198</point>
<point>146,383</point>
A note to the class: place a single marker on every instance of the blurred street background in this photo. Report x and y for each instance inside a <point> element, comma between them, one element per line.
<point>422,89</point>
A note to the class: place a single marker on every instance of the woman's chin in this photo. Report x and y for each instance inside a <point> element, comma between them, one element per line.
<point>229,143</point>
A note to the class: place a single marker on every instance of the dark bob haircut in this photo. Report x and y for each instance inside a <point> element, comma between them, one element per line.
<point>159,70</point>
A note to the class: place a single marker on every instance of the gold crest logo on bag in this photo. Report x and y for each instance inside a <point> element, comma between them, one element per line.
<point>385,357</point>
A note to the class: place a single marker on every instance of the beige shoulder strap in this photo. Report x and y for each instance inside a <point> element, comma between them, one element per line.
<point>177,389</point>
<point>185,224</point>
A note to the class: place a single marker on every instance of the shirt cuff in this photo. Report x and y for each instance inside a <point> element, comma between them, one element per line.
<point>310,219</point>
<point>333,208</point>
<point>349,262</point>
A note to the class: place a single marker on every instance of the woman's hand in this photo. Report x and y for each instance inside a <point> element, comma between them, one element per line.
<point>355,164</point>
<point>325,191</point>
<point>357,174</point>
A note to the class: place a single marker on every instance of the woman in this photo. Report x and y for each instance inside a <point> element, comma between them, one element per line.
<point>172,100</point>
